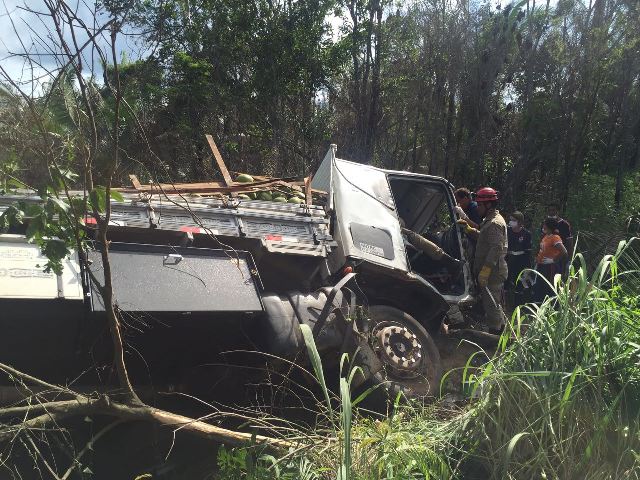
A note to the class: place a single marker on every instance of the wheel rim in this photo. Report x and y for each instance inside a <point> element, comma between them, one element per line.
<point>398,348</point>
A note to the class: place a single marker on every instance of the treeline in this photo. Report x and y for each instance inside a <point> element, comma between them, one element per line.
<point>535,98</point>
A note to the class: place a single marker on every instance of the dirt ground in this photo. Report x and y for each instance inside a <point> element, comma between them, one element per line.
<point>456,348</point>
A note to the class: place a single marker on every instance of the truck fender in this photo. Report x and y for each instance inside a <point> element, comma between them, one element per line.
<point>285,313</point>
<point>281,331</point>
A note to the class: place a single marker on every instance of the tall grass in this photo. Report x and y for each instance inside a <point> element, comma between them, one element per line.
<point>560,400</point>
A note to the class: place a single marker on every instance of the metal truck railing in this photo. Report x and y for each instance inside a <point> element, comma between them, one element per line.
<point>298,229</point>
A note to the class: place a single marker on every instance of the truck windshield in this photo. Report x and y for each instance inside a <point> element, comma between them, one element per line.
<point>425,208</point>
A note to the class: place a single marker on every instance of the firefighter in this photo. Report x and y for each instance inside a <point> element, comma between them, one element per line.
<point>490,266</point>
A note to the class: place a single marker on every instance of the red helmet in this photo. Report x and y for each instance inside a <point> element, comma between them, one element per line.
<point>486,194</point>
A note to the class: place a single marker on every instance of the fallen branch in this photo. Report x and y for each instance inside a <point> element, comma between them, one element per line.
<point>12,372</point>
<point>55,412</point>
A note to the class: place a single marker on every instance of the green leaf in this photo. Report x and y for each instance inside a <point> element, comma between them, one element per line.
<point>58,181</point>
<point>35,227</point>
<point>346,416</point>
<point>59,204</point>
<point>117,196</point>
<point>79,205</point>
<point>55,251</point>
<point>43,192</point>
<point>316,362</point>
<point>510,448</point>
<point>15,183</point>
<point>11,217</point>
<point>33,210</point>
<point>98,199</point>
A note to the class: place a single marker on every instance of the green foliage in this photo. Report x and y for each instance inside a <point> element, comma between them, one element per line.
<point>532,99</point>
<point>52,225</point>
<point>411,443</point>
<point>316,363</point>
<point>563,399</point>
<point>62,110</point>
<point>592,208</point>
<point>55,223</point>
<point>241,463</point>
<point>9,169</point>
<point>247,72</point>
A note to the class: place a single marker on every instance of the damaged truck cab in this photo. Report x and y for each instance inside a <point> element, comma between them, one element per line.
<point>190,275</point>
<point>366,205</point>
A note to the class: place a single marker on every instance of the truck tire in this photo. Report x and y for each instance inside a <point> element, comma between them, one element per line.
<point>409,357</point>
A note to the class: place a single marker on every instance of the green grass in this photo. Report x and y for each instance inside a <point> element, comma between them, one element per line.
<point>561,400</point>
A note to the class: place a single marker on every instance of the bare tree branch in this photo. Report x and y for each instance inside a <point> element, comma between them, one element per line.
<point>57,412</point>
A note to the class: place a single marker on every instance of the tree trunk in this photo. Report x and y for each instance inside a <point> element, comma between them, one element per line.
<point>375,85</point>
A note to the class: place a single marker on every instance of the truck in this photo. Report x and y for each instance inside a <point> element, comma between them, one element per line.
<point>194,275</point>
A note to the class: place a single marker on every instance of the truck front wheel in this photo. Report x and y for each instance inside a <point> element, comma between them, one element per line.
<point>408,355</point>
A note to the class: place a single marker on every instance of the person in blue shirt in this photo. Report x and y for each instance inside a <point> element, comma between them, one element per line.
<point>469,207</point>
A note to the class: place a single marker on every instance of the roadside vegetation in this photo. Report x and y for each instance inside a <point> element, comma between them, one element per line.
<point>560,400</point>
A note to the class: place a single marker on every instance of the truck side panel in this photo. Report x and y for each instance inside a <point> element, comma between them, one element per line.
<point>151,278</point>
<point>22,274</point>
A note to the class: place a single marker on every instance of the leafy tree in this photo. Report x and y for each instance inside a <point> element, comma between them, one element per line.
<point>528,96</point>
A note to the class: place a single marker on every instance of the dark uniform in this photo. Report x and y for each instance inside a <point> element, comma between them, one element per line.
<point>518,256</point>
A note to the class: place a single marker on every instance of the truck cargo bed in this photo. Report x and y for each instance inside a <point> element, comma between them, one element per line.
<point>281,227</point>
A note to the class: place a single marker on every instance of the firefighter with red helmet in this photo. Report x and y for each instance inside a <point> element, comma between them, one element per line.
<point>490,266</point>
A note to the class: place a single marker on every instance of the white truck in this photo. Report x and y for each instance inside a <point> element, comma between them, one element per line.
<point>191,275</point>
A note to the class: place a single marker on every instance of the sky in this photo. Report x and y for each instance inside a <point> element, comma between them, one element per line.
<point>22,30</point>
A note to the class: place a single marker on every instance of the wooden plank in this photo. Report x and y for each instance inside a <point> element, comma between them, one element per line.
<point>135,182</point>
<point>221,165</point>
<point>192,186</point>
<point>213,188</point>
<point>307,191</point>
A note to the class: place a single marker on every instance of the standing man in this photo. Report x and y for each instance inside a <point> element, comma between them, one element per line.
<point>518,255</point>
<point>490,266</point>
<point>468,206</point>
